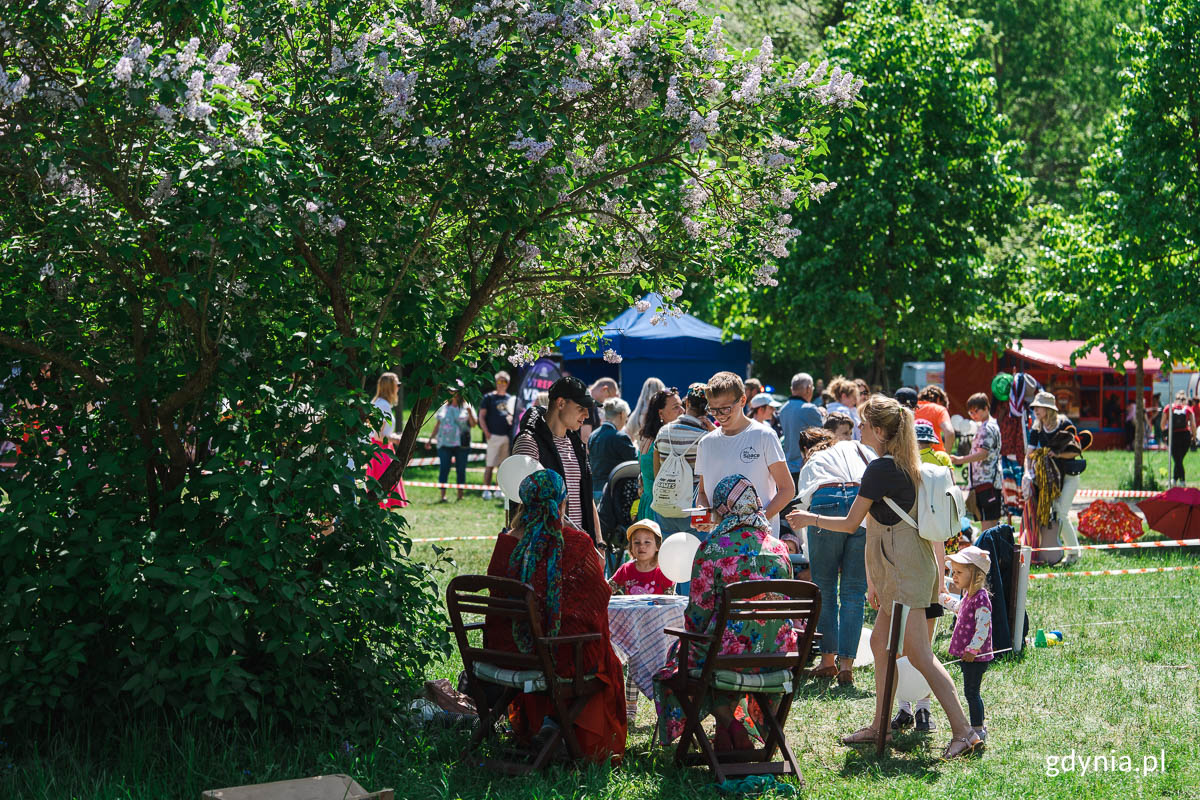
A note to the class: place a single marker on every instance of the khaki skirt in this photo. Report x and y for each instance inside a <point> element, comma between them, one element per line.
<point>900,565</point>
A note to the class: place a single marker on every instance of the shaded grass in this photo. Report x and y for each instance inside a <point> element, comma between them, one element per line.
<point>1112,689</point>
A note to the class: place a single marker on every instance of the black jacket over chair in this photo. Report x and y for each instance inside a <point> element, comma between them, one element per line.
<point>998,542</point>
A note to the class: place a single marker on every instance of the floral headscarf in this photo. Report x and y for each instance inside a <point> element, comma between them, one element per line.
<point>537,558</point>
<point>736,500</point>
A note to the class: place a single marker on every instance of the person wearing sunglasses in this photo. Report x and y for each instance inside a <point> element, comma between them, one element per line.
<point>739,447</point>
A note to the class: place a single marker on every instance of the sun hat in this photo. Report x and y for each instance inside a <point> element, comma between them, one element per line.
<point>925,431</point>
<point>976,556</point>
<point>1044,400</point>
<point>645,525</point>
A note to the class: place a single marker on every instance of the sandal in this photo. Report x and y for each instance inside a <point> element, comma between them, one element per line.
<point>967,745</point>
<point>864,735</point>
<point>845,678</point>
<point>823,672</point>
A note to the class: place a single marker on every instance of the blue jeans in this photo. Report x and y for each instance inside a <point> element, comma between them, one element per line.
<point>459,454</point>
<point>833,554</point>
<point>670,525</point>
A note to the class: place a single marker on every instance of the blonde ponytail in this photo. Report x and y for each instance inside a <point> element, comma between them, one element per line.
<point>900,436</point>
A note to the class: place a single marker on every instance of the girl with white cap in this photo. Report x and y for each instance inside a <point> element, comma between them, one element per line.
<point>972,637</point>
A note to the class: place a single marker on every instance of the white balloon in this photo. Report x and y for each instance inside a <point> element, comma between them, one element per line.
<point>676,555</point>
<point>911,685</point>
<point>864,656</point>
<point>512,471</point>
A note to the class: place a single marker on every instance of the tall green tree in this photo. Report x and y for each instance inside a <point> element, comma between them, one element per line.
<point>892,258</point>
<point>1126,270</point>
<point>1057,71</point>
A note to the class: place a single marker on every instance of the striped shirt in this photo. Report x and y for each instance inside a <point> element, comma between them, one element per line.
<point>526,446</point>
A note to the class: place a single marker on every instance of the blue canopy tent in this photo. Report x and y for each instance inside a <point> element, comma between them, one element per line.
<point>677,351</point>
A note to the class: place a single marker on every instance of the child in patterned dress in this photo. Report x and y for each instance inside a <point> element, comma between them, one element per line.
<point>972,638</point>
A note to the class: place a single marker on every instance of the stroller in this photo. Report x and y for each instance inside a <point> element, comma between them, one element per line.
<point>617,507</point>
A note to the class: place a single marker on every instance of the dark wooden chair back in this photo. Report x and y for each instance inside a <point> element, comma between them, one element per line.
<point>513,602</point>
<point>748,601</point>
<point>760,601</point>
<point>504,598</point>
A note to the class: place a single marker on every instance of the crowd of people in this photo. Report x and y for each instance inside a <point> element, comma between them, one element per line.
<point>826,481</point>
<point>829,475</point>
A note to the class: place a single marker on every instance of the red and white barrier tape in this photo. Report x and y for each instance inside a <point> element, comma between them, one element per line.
<point>1126,545</point>
<point>457,539</point>
<point>477,487</point>
<point>433,462</point>
<point>1146,571</point>
<point>474,445</point>
<point>1115,493</point>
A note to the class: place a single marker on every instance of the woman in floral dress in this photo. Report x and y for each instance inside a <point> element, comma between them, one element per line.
<point>740,548</point>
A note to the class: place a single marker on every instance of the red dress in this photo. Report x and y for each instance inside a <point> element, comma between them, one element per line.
<point>379,464</point>
<point>601,727</point>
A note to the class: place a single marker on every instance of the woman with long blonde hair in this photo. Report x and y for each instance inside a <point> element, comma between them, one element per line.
<point>387,397</point>
<point>900,564</point>
<point>633,428</point>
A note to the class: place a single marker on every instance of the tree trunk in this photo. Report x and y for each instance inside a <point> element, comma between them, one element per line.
<point>1139,425</point>
<point>829,359</point>
<point>408,440</point>
<point>879,365</point>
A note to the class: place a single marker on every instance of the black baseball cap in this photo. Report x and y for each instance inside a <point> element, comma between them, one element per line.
<point>906,396</point>
<point>574,390</point>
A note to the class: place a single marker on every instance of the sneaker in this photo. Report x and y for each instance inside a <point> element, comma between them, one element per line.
<point>924,721</point>
<point>487,495</point>
<point>902,720</point>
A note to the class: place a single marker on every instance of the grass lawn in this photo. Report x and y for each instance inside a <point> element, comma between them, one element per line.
<point>1125,683</point>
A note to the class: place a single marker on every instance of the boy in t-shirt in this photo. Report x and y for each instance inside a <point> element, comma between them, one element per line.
<point>927,440</point>
<point>740,447</point>
<point>495,418</point>
<point>986,478</point>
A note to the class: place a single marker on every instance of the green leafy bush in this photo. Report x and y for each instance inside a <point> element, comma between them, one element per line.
<point>261,587</point>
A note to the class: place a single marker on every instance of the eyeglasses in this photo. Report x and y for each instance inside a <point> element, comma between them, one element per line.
<point>722,411</point>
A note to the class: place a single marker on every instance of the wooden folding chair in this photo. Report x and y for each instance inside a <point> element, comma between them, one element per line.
<point>497,677</point>
<point>799,601</point>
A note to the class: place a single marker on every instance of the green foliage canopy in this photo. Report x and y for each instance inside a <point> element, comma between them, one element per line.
<point>225,217</point>
<point>892,258</point>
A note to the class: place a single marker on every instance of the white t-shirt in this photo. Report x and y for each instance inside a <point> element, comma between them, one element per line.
<point>845,462</point>
<point>751,453</point>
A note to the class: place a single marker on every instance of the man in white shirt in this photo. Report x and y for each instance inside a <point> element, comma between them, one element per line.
<point>741,447</point>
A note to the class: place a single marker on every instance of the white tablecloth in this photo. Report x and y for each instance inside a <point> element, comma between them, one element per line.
<point>635,623</point>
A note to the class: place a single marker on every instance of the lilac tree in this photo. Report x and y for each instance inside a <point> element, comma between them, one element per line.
<point>225,216</point>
